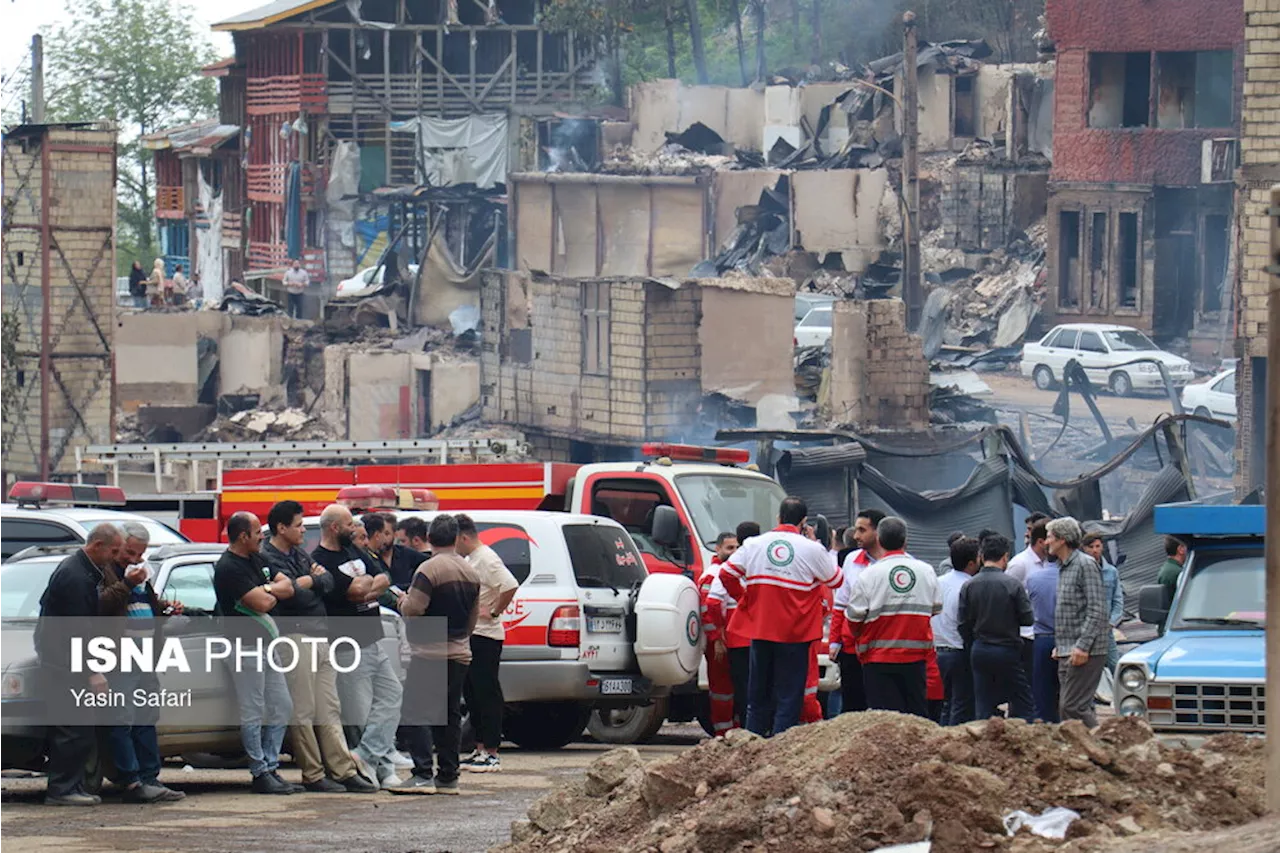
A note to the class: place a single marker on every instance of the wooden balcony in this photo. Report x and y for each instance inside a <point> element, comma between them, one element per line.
<point>275,256</point>
<point>232,233</point>
<point>265,181</point>
<point>288,94</point>
<point>170,203</point>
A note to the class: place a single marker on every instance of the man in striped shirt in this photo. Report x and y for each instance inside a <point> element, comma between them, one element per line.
<point>889,612</point>
<point>778,577</point>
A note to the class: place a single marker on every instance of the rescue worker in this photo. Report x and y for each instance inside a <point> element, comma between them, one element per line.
<point>719,676</point>
<point>889,612</point>
<point>733,621</point>
<point>778,576</point>
<point>842,650</point>
<point>820,531</point>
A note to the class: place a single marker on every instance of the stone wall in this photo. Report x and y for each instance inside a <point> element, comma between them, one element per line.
<point>79,197</point>
<point>879,375</point>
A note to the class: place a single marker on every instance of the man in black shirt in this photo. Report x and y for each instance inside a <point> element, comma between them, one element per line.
<point>316,733</point>
<point>72,593</point>
<point>400,560</point>
<point>371,692</point>
<point>993,607</point>
<point>412,533</point>
<point>247,593</point>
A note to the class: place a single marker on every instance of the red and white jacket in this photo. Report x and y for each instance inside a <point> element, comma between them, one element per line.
<point>854,563</point>
<point>889,609</point>
<point>777,578</point>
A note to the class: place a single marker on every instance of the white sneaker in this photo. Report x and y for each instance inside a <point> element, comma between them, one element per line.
<point>390,780</point>
<point>401,760</point>
<point>482,763</point>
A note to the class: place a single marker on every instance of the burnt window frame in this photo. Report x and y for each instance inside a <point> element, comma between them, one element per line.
<point>596,302</point>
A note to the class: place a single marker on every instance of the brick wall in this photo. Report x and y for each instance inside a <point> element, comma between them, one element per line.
<point>980,206</point>
<point>879,375</point>
<point>81,205</point>
<point>673,359</point>
<point>1259,170</point>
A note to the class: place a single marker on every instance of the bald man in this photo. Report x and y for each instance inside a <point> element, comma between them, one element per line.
<point>371,692</point>
<point>72,593</point>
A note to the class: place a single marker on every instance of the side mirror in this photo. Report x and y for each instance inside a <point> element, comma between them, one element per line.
<point>1153,604</point>
<point>666,527</point>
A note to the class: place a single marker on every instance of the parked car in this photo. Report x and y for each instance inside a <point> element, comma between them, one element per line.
<point>589,629</point>
<point>1214,397</point>
<point>31,521</point>
<point>181,572</point>
<point>368,277</point>
<point>1105,353</point>
<point>806,302</point>
<point>815,329</point>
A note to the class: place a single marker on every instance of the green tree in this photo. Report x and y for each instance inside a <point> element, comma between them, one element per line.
<point>137,63</point>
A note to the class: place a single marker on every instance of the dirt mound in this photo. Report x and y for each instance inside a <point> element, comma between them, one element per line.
<point>862,781</point>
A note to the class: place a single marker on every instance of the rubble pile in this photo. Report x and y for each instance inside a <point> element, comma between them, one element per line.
<point>260,424</point>
<point>870,780</point>
<point>670,159</point>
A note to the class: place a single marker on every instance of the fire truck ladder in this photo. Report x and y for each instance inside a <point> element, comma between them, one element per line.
<point>430,451</point>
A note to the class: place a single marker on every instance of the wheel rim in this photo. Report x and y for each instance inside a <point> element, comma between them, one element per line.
<point>617,717</point>
<point>1043,379</point>
<point>1120,384</point>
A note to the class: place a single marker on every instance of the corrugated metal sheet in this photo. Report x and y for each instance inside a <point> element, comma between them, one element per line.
<point>824,477</point>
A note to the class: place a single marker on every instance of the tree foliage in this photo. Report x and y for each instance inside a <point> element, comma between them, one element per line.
<point>8,365</point>
<point>135,62</point>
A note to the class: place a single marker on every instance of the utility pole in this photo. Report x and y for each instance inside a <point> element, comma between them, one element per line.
<point>1271,462</point>
<point>911,289</point>
<point>37,79</point>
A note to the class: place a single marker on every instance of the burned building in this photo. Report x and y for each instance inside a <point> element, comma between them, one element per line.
<point>1146,116</point>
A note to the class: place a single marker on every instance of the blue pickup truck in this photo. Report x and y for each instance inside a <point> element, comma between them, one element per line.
<point>1207,673</point>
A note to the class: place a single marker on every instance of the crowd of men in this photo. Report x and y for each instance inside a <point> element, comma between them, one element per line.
<point>986,633</point>
<point>346,719</point>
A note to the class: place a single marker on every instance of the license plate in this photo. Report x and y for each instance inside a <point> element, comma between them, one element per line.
<point>615,686</point>
<point>604,624</point>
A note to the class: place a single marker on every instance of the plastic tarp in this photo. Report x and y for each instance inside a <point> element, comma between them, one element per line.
<point>293,209</point>
<point>985,500</point>
<point>444,285</point>
<point>1135,535</point>
<point>208,261</point>
<point>471,150</point>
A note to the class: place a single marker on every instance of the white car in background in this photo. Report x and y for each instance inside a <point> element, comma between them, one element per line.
<point>368,277</point>
<point>815,329</point>
<point>1104,351</point>
<point>806,302</point>
<point>1214,397</point>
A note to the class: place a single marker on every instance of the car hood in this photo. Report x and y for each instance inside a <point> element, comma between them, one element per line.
<point>1205,655</point>
<point>1170,360</point>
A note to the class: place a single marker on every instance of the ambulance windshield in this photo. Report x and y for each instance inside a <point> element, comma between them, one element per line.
<point>720,502</point>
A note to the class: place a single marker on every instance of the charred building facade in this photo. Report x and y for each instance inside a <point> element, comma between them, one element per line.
<point>1146,126</point>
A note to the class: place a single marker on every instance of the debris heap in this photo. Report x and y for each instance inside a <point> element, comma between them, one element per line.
<point>869,780</point>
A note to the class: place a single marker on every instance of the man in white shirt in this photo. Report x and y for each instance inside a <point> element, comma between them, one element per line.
<point>296,280</point>
<point>953,657</point>
<point>853,693</point>
<point>483,690</point>
<point>1021,567</point>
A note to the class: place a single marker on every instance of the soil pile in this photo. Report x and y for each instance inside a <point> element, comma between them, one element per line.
<point>863,781</point>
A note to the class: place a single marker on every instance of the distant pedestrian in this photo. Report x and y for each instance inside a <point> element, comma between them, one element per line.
<point>1032,559</point>
<point>412,533</point>
<point>156,283</point>
<point>1032,520</point>
<point>889,612</point>
<point>953,657</point>
<point>993,608</point>
<point>778,576</point>
<point>296,281</point>
<point>946,564</point>
<point>445,587</point>
<point>1080,622</point>
<point>401,560</point>
<point>138,285</point>
<point>843,649</point>
<point>737,639</point>
<point>1042,589</point>
<point>1175,561</point>
<point>1094,547</point>
<point>714,626</point>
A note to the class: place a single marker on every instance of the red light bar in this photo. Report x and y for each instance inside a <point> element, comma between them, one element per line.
<point>367,498</point>
<point>693,453</point>
<point>34,494</point>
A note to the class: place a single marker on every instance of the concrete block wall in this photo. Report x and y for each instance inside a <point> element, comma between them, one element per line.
<point>879,375</point>
<point>81,216</point>
<point>980,207</point>
<point>674,359</point>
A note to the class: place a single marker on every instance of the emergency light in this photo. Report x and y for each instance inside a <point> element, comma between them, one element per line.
<point>35,494</point>
<point>374,498</point>
<point>693,453</point>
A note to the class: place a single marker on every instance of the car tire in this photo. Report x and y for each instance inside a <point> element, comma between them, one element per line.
<point>1043,377</point>
<point>637,724</point>
<point>1120,384</point>
<point>545,725</point>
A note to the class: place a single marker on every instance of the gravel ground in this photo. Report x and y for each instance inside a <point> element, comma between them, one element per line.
<point>220,814</point>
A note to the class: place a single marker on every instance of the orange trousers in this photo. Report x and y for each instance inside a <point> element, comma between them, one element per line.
<point>811,711</point>
<point>720,686</point>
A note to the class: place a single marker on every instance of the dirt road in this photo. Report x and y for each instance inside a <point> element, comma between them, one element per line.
<point>220,814</point>
<point>1012,391</point>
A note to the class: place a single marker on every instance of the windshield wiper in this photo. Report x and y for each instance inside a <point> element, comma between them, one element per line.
<point>583,580</point>
<point>1222,620</point>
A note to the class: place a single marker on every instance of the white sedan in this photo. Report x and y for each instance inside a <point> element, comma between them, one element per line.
<point>815,329</point>
<point>1214,397</point>
<point>367,277</point>
<point>1105,352</point>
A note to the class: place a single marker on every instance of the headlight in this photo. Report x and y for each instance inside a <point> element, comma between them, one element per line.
<point>1133,679</point>
<point>12,686</point>
<point>1133,707</point>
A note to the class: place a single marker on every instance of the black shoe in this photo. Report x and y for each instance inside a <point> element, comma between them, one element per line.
<point>75,798</point>
<point>357,784</point>
<point>145,793</point>
<point>324,785</point>
<point>269,783</point>
<point>297,789</point>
